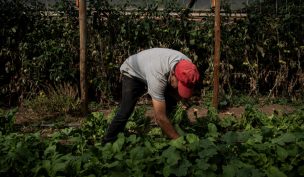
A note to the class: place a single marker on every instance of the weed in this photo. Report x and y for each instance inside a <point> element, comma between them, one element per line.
<point>7,120</point>
<point>58,100</point>
<point>241,100</point>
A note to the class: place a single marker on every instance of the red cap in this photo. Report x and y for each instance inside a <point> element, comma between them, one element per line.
<point>187,75</point>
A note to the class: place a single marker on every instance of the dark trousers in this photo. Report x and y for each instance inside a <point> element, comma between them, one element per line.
<point>132,89</point>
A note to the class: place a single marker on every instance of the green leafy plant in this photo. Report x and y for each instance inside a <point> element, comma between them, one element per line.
<point>7,120</point>
<point>94,126</point>
<point>256,145</point>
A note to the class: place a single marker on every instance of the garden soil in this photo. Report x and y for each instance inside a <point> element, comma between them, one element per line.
<point>195,112</point>
<point>27,121</point>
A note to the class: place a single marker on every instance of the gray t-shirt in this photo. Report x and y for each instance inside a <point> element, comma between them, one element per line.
<point>153,67</point>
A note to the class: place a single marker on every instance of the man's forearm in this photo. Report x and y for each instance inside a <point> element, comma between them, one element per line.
<point>167,127</point>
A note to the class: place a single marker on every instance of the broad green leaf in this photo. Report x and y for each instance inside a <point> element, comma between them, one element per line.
<point>149,146</point>
<point>301,170</point>
<point>293,150</point>
<point>111,165</point>
<point>178,143</point>
<point>212,128</point>
<point>91,175</point>
<point>118,174</point>
<point>202,164</point>
<point>182,169</point>
<point>207,153</point>
<point>240,137</point>
<point>285,138</point>
<point>191,138</point>
<point>137,152</point>
<point>97,115</point>
<point>179,130</point>
<point>239,164</point>
<point>50,150</point>
<point>107,151</point>
<point>132,139</point>
<point>286,167</point>
<point>249,172</point>
<point>227,122</point>
<point>301,144</point>
<point>257,173</point>
<point>131,163</point>
<point>120,156</point>
<point>299,135</point>
<point>159,145</point>
<point>166,171</point>
<point>230,137</point>
<point>59,167</point>
<point>156,131</point>
<point>117,145</point>
<point>229,171</point>
<point>131,125</point>
<point>246,135</point>
<point>206,144</point>
<point>243,172</point>
<point>254,139</point>
<point>46,164</point>
<point>171,155</point>
<point>275,172</point>
<point>282,153</point>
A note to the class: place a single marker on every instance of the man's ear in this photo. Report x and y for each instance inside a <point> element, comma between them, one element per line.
<point>172,73</point>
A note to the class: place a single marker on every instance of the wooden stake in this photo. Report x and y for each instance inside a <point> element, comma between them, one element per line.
<point>216,62</point>
<point>213,4</point>
<point>77,3</point>
<point>82,62</point>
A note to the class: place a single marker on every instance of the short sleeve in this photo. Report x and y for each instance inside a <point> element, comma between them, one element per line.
<point>157,86</point>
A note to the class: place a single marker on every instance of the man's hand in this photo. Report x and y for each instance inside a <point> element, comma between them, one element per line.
<point>162,119</point>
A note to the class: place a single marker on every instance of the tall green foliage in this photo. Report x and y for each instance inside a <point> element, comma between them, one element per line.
<point>39,47</point>
<point>263,52</point>
<point>118,33</point>
<point>16,21</point>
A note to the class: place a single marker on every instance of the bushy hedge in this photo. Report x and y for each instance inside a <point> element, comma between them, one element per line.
<point>39,46</point>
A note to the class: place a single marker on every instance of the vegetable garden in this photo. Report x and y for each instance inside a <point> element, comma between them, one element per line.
<point>255,145</point>
<point>261,62</point>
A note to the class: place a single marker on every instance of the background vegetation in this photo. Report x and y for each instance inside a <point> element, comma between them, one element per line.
<point>261,54</point>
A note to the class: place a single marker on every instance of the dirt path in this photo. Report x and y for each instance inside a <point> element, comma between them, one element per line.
<point>200,112</point>
<point>29,122</point>
<point>238,111</point>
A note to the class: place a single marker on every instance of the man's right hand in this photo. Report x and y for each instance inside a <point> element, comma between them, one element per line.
<point>162,119</point>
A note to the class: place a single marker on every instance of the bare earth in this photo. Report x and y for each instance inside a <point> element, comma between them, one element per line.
<point>233,111</point>
<point>27,121</point>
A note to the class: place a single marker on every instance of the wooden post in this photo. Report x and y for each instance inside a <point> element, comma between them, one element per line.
<point>213,4</point>
<point>82,62</point>
<point>217,45</point>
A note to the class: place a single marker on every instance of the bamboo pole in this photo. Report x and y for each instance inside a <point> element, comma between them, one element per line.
<point>217,45</point>
<point>82,62</point>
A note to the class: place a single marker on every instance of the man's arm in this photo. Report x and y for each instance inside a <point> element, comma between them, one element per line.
<point>162,119</point>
